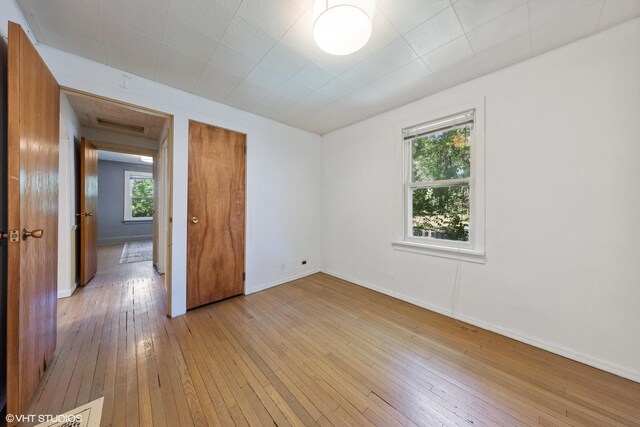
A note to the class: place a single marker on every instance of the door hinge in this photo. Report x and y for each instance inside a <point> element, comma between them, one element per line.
<point>244,275</point>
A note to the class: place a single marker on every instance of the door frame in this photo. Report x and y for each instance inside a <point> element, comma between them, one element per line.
<point>161,170</point>
<point>133,150</point>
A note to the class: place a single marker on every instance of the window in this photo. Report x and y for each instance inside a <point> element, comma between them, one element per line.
<point>443,173</point>
<point>138,196</point>
<point>439,175</point>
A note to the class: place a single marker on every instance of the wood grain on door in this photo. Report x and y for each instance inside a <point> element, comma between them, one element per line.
<point>32,156</point>
<point>216,214</point>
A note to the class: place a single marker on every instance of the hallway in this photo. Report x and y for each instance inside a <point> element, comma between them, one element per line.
<point>109,264</point>
<point>101,328</point>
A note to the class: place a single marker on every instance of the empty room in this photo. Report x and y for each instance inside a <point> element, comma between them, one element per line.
<point>319,212</point>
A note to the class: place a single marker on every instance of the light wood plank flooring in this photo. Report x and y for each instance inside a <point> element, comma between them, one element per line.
<point>314,351</point>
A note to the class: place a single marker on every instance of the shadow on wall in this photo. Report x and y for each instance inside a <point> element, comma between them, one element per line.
<point>112,227</point>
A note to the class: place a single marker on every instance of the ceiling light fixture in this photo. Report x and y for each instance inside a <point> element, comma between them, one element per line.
<point>342,27</point>
<point>146,159</point>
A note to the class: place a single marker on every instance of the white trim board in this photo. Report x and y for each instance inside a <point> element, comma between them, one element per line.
<point>279,282</point>
<point>66,293</point>
<point>123,239</point>
<point>561,351</point>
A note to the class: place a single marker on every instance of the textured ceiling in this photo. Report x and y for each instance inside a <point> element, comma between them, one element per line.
<point>259,55</point>
<point>91,110</point>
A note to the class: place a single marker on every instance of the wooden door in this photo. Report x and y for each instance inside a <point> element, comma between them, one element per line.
<point>216,214</point>
<point>32,157</point>
<point>88,211</point>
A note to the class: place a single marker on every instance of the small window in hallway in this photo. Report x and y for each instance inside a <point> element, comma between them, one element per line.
<point>138,196</point>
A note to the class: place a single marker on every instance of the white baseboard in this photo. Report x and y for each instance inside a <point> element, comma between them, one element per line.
<point>578,357</point>
<point>282,281</point>
<point>66,293</point>
<point>122,239</point>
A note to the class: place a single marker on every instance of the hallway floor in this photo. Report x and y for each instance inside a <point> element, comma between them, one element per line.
<point>109,266</point>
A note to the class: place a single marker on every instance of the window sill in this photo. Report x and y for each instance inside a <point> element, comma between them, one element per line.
<point>137,221</point>
<point>462,254</point>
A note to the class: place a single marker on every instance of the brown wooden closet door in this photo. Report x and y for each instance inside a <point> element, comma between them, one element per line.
<point>88,211</point>
<point>216,214</point>
<point>32,156</point>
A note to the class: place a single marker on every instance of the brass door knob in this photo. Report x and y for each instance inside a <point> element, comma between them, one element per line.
<point>36,234</point>
<point>195,220</point>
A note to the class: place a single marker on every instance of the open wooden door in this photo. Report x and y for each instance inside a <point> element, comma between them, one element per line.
<point>32,157</point>
<point>216,210</point>
<point>88,211</point>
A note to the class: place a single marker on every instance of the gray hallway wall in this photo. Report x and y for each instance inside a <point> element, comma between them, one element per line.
<point>111,225</point>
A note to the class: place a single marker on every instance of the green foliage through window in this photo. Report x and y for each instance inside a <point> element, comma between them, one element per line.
<point>141,197</point>
<point>442,155</point>
<point>441,212</point>
<point>440,175</point>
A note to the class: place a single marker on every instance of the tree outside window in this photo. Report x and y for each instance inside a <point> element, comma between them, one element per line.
<point>138,196</point>
<point>439,177</point>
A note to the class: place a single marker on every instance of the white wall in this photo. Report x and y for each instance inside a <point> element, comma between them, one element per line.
<point>283,174</point>
<point>562,204</point>
<point>69,130</point>
<point>9,12</point>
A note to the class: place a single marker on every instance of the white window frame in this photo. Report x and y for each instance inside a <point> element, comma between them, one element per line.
<point>127,194</point>
<point>472,250</point>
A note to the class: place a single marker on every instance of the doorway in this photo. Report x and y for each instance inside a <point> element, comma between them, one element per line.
<point>126,206</point>
<point>121,212</point>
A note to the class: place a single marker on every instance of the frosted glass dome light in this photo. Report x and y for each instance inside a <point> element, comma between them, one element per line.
<point>342,27</point>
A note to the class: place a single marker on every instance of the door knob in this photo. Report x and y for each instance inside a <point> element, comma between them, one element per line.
<point>36,234</point>
<point>195,220</point>
<point>89,213</point>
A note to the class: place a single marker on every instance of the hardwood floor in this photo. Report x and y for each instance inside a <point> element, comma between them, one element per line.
<point>314,351</point>
<point>110,269</point>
